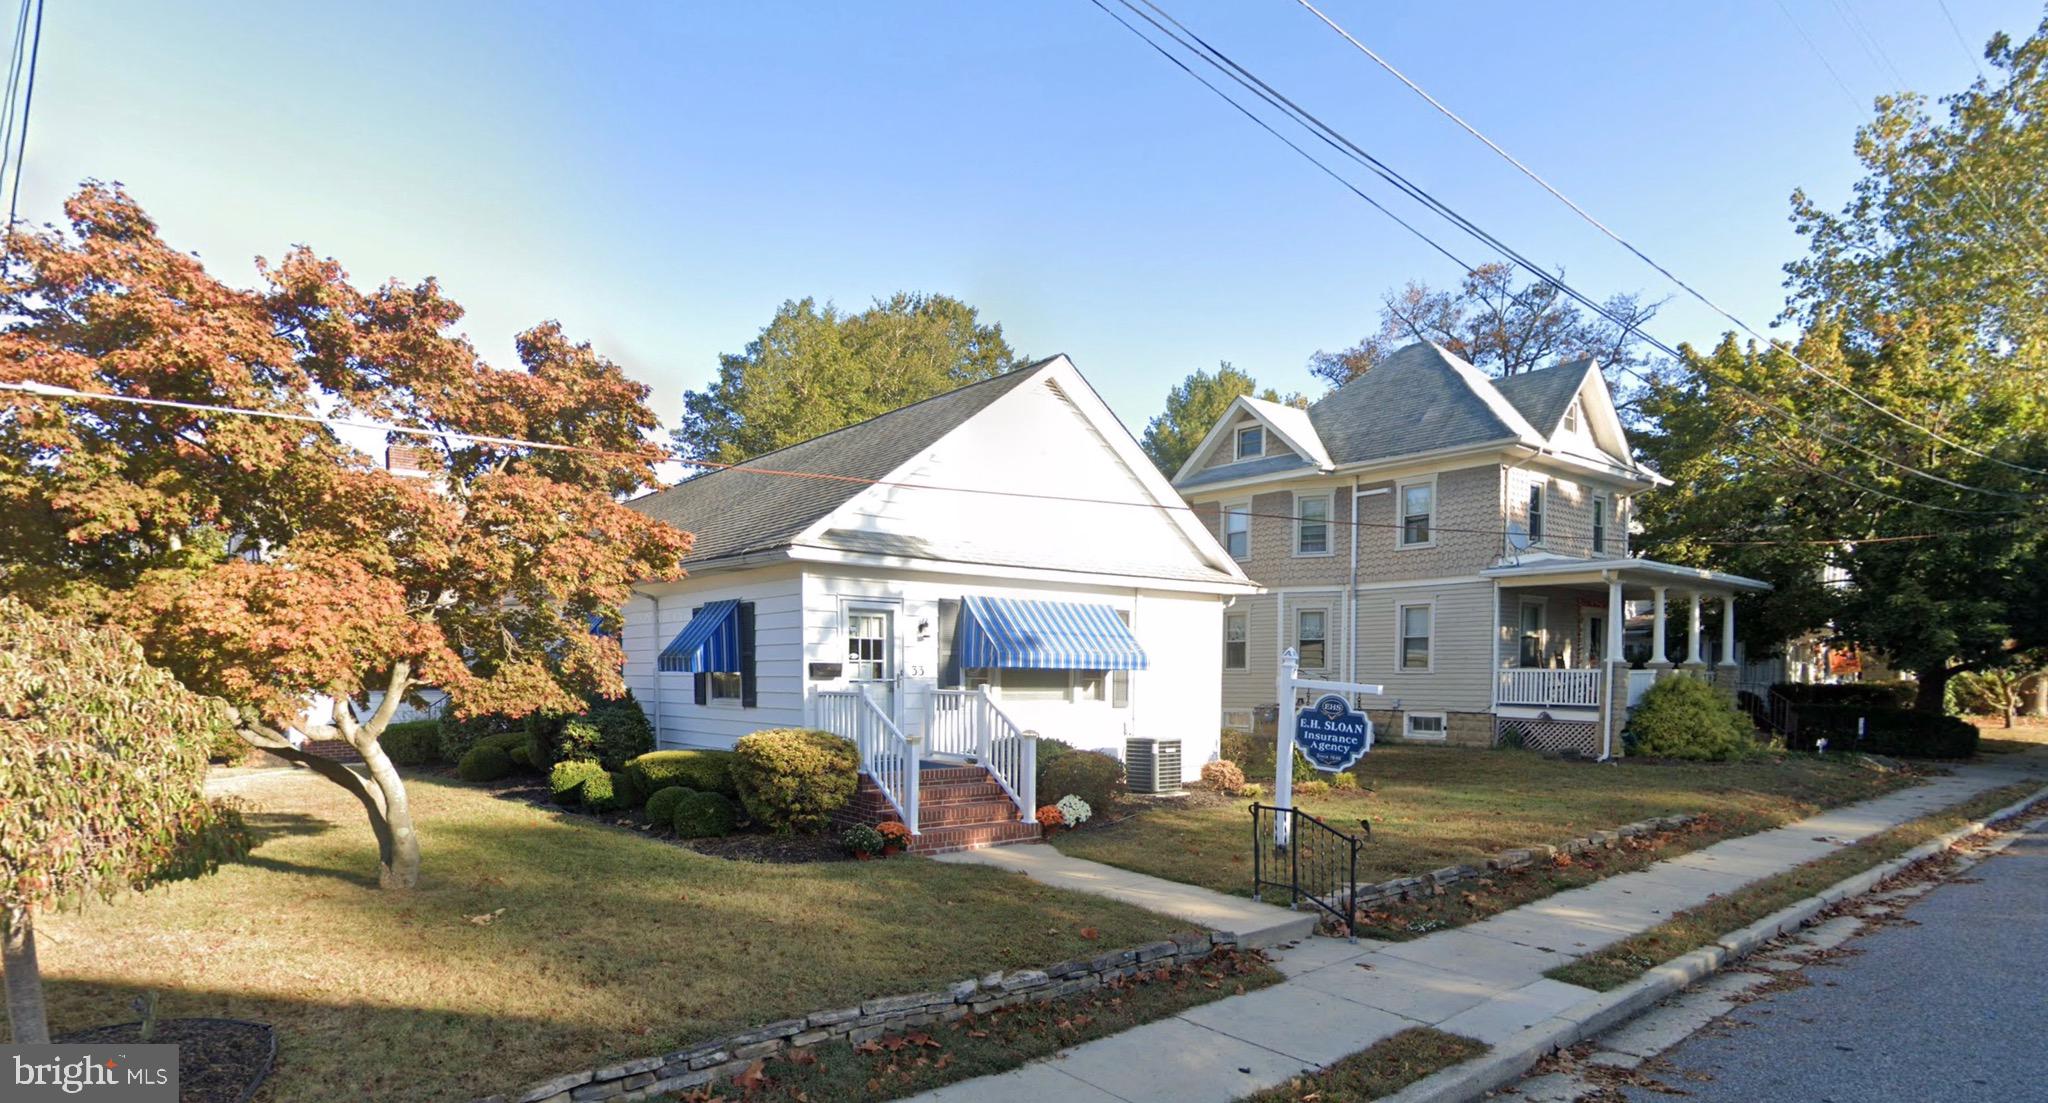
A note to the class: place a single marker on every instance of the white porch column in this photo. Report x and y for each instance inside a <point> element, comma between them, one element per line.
<point>1657,659</point>
<point>1616,697</point>
<point>1617,617</point>
<point>1728,630</point>
<point>1692,629</point>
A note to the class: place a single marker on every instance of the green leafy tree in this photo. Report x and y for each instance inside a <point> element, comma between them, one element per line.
<point>815,369</point>
<point>102,762</point>
<point>1193,408</point>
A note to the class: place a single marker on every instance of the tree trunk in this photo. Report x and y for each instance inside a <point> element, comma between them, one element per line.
<point>1933,691</point>
<point>24,979</point>
<point>372,798</point>
<point>399,865</point>
<point>2040,707</point>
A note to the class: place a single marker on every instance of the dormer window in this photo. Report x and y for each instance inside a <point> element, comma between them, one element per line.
<point>1571,417</point>
<point>1251,442</point>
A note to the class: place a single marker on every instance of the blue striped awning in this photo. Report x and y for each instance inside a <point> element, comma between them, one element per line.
<point>710,642</point>
<point>1024,634</point>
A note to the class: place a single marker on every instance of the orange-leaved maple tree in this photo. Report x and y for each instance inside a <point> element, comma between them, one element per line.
<point>268,562</point>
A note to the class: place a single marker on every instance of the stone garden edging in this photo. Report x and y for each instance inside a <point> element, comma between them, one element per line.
<point>1437,882</point>
<point>722,1058</point>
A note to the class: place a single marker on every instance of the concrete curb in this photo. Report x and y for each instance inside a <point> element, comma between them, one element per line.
<point>1510,1059</point>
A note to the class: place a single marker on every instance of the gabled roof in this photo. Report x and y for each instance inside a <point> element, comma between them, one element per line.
<point>1421,398</point>
<point>1543,395</point>
<point>737,510</point>
<point>1293,426</point>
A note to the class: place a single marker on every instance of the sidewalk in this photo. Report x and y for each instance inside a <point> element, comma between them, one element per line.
<point>1484,981</point>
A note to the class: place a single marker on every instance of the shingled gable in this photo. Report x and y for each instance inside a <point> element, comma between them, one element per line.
<point>741,509</point>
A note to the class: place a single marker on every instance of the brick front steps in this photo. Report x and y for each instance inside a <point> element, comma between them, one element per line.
<point>959,808</point>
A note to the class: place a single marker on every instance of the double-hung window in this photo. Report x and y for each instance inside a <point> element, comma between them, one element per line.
<point>1236,641</point>
<point>1535,513</point>
<point>1599,523</point>
<point>1418,510</point>
<point>1571,417</point>
<point>1237,530</point>
<point>1311,626</point>
<point>1251,442</point>
<point>1416,625</point>
<point>1312,525</point>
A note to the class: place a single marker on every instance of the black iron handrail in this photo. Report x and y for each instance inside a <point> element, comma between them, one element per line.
<point>1321,862</point>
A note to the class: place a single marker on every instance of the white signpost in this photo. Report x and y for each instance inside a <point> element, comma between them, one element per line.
<point>1339,734</point>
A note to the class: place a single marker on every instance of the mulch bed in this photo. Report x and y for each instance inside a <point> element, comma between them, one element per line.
<point>219,1060</point>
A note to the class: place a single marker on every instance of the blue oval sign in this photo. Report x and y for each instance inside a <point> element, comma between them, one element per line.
<point>1331,734</point>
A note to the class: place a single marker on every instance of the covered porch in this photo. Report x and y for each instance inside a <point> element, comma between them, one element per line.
<point>1566,665</point>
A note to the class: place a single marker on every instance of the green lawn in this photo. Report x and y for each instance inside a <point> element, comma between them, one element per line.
<point>1436,806</point>
<point>607,945</point>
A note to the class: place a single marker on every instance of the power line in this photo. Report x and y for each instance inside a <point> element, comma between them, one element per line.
<point>1644,257</point>
<point>1961,42</point>
<point>17,52</point>
<point>28,104</point>
<point>1336,140</point>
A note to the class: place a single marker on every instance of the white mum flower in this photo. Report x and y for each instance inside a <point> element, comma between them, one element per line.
<point>1073,809</point>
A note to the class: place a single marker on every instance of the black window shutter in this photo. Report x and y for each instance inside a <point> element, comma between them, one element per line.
<point>699,687</point>
<point>949,643</point>
<point>747,692</point>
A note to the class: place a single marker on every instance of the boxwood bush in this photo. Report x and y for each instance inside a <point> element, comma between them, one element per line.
<point>412,743</point>
<point>704,771</point>
<point>792,779</point>
<point>704,815</point>
<point>661,806</point>
<point>608,731</point>
<point>1904,733</point>
<point>484,762</point>
<point>568,780</point>
<point>1683,717</point>
<point>1095,778</point>
<point>458,736</point>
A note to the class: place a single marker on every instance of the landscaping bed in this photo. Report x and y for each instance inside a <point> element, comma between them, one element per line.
<point>219,1060</point>
<point>536,942</point>
<point>1432,807</point>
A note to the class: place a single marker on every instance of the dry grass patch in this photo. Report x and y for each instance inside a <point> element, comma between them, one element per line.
<point>1432,807</point>
<point>537,943</point>
<point>1624,961</point>
<point>1388,1066</point>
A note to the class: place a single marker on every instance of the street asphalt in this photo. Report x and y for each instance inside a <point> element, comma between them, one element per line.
<point>1951,1007</point>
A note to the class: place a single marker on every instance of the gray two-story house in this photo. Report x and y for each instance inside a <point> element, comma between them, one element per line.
<point>1460,540</point>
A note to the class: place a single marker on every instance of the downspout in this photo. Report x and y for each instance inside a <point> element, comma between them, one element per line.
<point>1351,595</point>
<point>656,691</point>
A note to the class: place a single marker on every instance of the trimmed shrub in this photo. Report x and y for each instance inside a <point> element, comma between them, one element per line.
<point>704,771</point>
<point>1889,731</point>
<point>704,816</point>
<point>1254,755</point>
<point>1238,746</point>
<point>1683,717</point>
<point>458,736</point>
<point>791,779</point>
<point>568,779</point>
<point>626,788</point>
<point>484,763</point>
<point>1344,780</point>
<point>1893,695</point>
<point>520,755</point>
<point>1222,775</point>
<point>601,792</point>
<point>1050,750</point>
<point>661,806</point>
<point>1252,790</point>
<point>413,743</point>
<point>1316,788</point>
<point>609,731</point>
<point>1095,778</point>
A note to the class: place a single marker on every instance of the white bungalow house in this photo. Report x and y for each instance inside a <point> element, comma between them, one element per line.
<point>940,583</point>
<point>1463,541</point>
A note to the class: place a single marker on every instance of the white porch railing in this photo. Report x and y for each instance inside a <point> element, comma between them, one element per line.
<point>1549,688</point>
<point>967,723</point>
<point>886,754</point>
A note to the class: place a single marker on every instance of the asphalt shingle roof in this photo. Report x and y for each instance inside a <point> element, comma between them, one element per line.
<point>1542,395</point>
<point>1413,401</point>
<point>739,510</point>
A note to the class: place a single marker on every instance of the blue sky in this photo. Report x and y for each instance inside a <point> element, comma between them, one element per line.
<point>660,177</point>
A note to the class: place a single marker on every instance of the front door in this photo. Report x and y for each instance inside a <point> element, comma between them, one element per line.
<point>871,656</point>
<point>1532,633</point>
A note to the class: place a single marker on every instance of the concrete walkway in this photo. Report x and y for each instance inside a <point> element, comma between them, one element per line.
<point>1256,925</point>
<point>1484,980</point>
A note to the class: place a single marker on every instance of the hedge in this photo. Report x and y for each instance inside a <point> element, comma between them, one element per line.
<point>484,762</point>
<point>608,731</point>
<point>1903,733</point>
<point>458,736</point>
<point>1095,778</point>
<point>1892,695</point>
<point>704,771</point>
<point>568,779</point>
<point>661,806</point>
<point>792,780</point>
<point>412,743</point>
<point>704,815</point>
